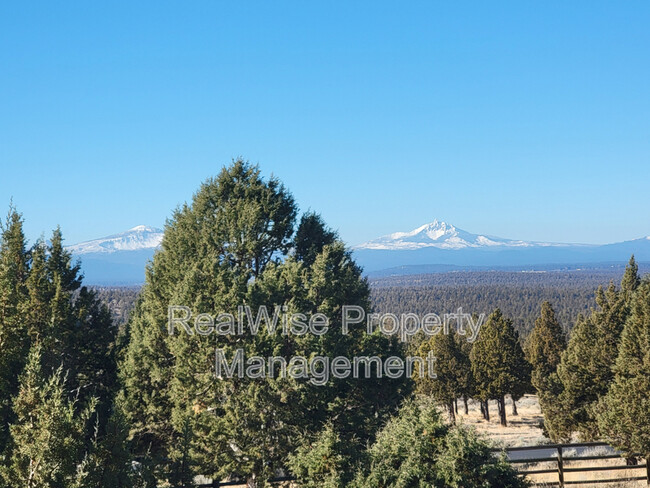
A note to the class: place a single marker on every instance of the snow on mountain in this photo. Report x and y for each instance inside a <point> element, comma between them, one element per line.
<point>441,235</point>
<point>138,238</point>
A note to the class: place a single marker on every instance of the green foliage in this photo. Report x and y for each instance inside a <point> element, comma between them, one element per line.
<point>545,344</point>
<point>48,436</point>
<point>311,237</point>
<point>518,295</point>
<point>323,462</point>
<point>71,370</point>
<point>585,370</point>
<point>624,412</point>
<point>416,449</point>
<point>108,462</point>
<point>467,461</point>
<point>452,370</point>
<point>499,367</point>
<point>13,296</point>
<point>544,348</point>
<point>231,247</point>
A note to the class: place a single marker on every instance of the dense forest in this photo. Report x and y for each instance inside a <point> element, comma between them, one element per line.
<point>91,398</point>
<point>518,294</point>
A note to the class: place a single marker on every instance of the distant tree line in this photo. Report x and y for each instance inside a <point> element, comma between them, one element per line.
<point>518,295</point>
<point>519,302</point>
<point>120,301</point>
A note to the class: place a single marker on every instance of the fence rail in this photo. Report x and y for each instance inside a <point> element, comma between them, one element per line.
<point>561,469</point>
<point>562,466</point>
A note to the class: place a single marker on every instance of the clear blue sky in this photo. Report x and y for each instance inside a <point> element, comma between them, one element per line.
<point>526,120</point>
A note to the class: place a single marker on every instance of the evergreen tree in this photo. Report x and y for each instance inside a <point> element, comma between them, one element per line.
<point>44,308</point>
<point>311,237</point>
<point>624,412</point>
<point>545,345</point>
<point>499,367</point>
<point>13,338</point>
<point>415,449</point>
<point>544,349</point>
<point>465,377</point>
<point>451,371</point>
<point>585,369</point>
<point>231,247</point>
<point>109,460</point>
<point>48,436</point>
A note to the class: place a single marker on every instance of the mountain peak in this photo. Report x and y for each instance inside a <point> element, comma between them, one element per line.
<point>144,228</point>
<point>140,237</point>
<point>440,234</point>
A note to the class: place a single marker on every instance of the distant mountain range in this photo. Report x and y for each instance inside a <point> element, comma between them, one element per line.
<point>120,259</point>
<point>439,245</point>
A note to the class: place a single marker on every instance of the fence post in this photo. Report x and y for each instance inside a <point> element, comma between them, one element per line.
<point>560,467</point>
<point>647,471</point>
<point>215,483</point>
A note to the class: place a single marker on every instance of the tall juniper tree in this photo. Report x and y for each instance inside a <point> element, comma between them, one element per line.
<point>544,348</point>
<point>624,412</point>
<point>585,369</point>
<point>499,367</point>
<point>14,268</point>
<point>452,368</point>
<point>232,246</point>
<point>44,308</point>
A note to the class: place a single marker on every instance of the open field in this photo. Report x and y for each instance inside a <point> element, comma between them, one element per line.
<point>523,429</point>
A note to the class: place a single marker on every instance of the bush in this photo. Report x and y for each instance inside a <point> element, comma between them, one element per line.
<point>416,449</point>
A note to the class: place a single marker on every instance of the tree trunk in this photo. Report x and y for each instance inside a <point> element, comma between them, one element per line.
<point>466,404</point>
<point>452,412</point>
<point>456,405</point>
<point>514,406</point>
<point>485,409</point>
<point>502,411</point>
<point>631,461</point>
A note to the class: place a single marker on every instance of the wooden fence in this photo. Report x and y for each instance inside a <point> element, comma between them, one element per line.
<point>565,466</point>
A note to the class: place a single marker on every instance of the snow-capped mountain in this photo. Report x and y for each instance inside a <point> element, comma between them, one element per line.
<point>135,239</point>
<point>119,259</point>
<point>440,244</point>
<point>441,235</point>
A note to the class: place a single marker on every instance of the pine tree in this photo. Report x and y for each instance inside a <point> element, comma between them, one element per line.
<point>499,367</point>
<point>465,378</point>
<point>50,432</point>
<point>624,412</point>
<point>73,327</point>
<point>545,345</point>
<point>44,308</point>
<point>109,460</point>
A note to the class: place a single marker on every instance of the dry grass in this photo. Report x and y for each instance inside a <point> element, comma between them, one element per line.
<point>525,430</point>
<point>522,430</point>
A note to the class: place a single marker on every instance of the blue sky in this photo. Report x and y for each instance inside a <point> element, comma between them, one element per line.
<point>526,120</point>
